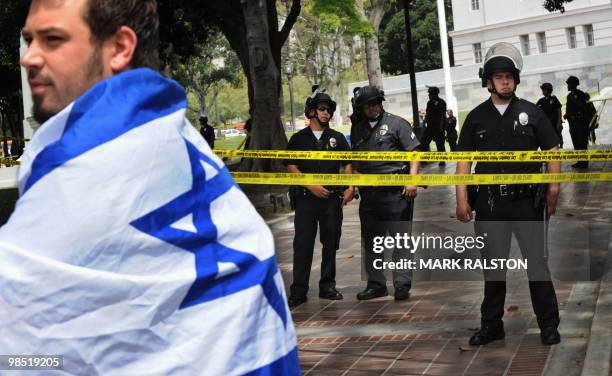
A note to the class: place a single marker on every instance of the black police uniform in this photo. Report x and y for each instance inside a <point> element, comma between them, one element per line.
<point>499,208</point>
<point>451,132</point>
<point>434,118</point>
<point>208,133</point>
<point>381,205</point>
<point>551,105</point>
<point>576,112</point>
<point>311,211</point>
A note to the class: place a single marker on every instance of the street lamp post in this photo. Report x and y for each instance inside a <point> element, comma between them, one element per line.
<point>289,74</point>
<point>413,88</point>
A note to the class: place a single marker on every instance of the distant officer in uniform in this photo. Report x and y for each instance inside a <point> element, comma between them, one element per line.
<point>507,123</point>
<point>435,118</point>
<point>316,205</point>
<point>552,108</point>
<point>382,131</point>
<point>356,116</point>
<point>207,131</point>
<point>576,114</point>
<point>451,130</point>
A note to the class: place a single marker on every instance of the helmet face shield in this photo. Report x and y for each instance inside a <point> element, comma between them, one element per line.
<point>501,57</point>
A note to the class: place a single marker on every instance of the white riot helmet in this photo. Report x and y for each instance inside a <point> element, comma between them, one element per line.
<point>501,57</point>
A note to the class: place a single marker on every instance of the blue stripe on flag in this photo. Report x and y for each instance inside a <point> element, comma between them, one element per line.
<point>109,109</point>
<point>287,365</point>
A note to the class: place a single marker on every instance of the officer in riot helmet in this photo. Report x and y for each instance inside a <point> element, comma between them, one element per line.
<point>576,114</point>
<point>316,205</point>
<point>552,108</point>
<point>507,123</point>
<point>383,206</point>
<point>435,118</point>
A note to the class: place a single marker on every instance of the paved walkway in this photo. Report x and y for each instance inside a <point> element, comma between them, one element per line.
<point>428,334</point>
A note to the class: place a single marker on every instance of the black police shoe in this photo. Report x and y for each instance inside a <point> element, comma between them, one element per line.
<point>402,293</point>
<point>442,164</point>
<point>487,334</point>
<point>296,300</point>
<point>330,293</point>
<point>550,336</point>
<point>371,293</point>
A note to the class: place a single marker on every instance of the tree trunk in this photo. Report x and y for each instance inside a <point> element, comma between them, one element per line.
<point>268,132</point>
<point>371,45</point>
<point>373,62</point>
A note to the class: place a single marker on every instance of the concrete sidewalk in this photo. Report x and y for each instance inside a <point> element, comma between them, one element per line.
<point>428,334</point>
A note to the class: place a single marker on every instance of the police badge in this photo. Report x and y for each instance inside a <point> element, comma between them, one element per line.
<point>523,118</point>
<point>383,130</point>
<point>332,142</point>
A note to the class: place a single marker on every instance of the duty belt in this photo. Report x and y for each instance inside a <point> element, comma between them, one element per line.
<point>513,191</point>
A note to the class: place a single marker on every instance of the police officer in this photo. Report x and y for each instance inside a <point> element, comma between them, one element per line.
<point>552,108</point>
<point>435,118</point>
<point>576,115</point>
<point>315,204</point>
<point>505,122</point>
<point>451,130</point>
<point>356,116</point>
<point>207,131</point>
<point>382,131</point>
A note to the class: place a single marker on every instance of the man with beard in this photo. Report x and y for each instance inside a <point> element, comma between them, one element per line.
<point>130,246</point>
<point>383,209</point>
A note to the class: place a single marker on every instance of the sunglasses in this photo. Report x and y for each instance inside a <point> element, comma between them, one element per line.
<point>324,109</point>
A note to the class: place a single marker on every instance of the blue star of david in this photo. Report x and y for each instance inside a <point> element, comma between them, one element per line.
<point>209,285</point>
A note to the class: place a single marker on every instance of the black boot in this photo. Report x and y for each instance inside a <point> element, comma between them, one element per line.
<point>487,334</point>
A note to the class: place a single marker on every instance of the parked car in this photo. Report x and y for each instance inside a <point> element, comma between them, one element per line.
<point>231,133</point>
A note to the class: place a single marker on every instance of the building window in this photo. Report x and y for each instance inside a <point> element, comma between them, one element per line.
<point>589,39</point>
<point>525,44</point>
<point>541,38</point>
<point>475,5</point>
<point>570,32</point>
<point>477,52</point>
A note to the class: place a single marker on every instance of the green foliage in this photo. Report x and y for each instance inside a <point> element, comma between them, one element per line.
<point>554,5</point>
<point>341,15</point>
<point>425,39</point>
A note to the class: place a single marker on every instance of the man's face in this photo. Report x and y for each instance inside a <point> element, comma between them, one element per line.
<point>62,61</point>
<point>503,82</point>
<point>372,110</point>
<point>323,112</point>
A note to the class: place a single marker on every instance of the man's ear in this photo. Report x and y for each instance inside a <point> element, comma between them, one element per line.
<point>122,47</point>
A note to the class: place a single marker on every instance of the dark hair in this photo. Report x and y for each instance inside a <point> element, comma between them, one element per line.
<point>105,17</point>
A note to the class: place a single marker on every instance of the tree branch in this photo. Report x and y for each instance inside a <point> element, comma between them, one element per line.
<point>283,34</point>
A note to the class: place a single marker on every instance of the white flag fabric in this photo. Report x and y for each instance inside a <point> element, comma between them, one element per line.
<point>131,251</point>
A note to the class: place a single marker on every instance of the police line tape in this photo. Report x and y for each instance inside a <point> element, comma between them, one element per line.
<point>270,178</point>
<point>9,162</point>
<point>473,156</point>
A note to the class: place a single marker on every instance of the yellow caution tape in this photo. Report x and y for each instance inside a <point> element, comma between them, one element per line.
<point>401,180</point>
<point>498,156</point>
<point>9,162</point>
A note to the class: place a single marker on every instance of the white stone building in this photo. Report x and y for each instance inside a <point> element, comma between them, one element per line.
<point>554,46</point>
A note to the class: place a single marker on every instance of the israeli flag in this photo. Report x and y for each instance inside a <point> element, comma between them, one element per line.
<point>133,252</point>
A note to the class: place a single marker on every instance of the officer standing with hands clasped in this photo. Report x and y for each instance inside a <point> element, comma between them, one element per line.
<point>317,205</point>
<point>552,108</point>
<point>507,123</point>
<point>381,206</point>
